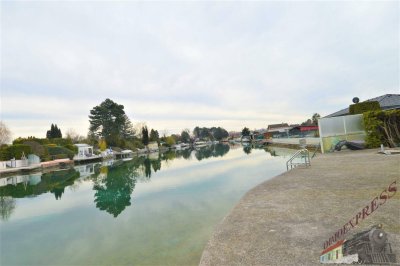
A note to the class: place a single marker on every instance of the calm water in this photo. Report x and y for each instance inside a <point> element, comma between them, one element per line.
<point>155,210</point>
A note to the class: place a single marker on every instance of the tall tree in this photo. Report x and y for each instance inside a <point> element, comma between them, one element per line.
<point>196,132</point>
<point>5,134</point>
<point>54,132</point>
<point>185,136</point>
<point>145,136</point>
<point>74,136</point>
<point>245,132</point>
<point>109,121</point>
<point>127,131</point>
<point>154,136</point>
<point>219,133</point>
<point>315,118</point>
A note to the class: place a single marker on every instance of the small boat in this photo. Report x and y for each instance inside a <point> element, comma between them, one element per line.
<point>352,145</point>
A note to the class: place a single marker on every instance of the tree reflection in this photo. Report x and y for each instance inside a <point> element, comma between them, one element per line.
<point>156,164</point>
<point>247,149</point>
<point>218,150</point>
<point>36,184</point>
<point>186,154</point>
<point>7,206</point>
<point>221,149</point>
<point>271,151</point>
<point>113,181</point>
<point>113,191</point>
<point>57,192</point>
<point>147,167</point>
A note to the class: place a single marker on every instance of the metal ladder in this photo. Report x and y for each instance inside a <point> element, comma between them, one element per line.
<point>302,154</point>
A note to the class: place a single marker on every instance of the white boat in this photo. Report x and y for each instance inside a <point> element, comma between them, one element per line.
<point>200,144</point>
<point>185,146</point>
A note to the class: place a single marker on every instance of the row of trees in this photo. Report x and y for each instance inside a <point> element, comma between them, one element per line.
<point>110,126</point>
<point>213,133</point>
<point>54,132</point>
<point>313,121</point>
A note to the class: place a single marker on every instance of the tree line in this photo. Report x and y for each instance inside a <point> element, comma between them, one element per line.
<point>108,121</point>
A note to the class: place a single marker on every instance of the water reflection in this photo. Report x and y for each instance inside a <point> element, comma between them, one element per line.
<point>7,206</point>
<point>21,186</point>
<point>247,149</point>
<point>114,187</point>
<point>113,181</point>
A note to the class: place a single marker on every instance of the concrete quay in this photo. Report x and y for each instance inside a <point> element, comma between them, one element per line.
<point>287,220</point>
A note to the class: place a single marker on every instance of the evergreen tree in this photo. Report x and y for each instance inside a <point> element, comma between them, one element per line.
<point>315,118</point>
<point>245,132</point>
<point>54,132</point>
<point>109,121</point>
<point>154,136</point>
<point>145,136</point>
<point>185,136</point>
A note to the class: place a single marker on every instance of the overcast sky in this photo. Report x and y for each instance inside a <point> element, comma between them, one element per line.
<point>175,65</point>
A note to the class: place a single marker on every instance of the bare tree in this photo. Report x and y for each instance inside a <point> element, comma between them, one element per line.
<point>5,134</point>
<point>74,136</point>
<point>137,128</point>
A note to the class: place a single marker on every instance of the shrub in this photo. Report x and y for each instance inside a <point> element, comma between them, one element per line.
<point>363,107</point>
<point>14,151</point>
<point>382,127</point>
<point>22,140</point>
<point>36,148</point>
<point>60,156</point>
<point>59,150</point>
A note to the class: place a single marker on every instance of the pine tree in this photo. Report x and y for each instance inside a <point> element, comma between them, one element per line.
<point>109,121</point>
<point>145,136</point>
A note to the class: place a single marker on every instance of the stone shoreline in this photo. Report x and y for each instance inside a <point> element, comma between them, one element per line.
<point>286,220</point>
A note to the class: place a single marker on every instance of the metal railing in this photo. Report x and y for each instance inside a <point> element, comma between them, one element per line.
<point>317,147</point>
<point>302,154</point>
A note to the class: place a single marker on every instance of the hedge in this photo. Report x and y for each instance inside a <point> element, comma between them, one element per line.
<point>56,141</point>
<point>382,127</point>
<point>57,150</point>
<point>14,151</point>
<point>363,107</point>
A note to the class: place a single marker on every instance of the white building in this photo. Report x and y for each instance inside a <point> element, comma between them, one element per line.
<point>84,151</point>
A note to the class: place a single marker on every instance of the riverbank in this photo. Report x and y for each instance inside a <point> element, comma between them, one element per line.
<point>286,220</point>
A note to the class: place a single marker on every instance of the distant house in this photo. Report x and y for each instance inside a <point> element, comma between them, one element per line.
<point>303,131</point>
<point>277,130</point>
<point>153,146</point>
<point>387,102</point>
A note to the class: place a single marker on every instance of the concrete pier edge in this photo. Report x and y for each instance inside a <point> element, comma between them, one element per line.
<point>286,220</point>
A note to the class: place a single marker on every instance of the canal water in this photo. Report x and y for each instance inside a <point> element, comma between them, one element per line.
<point>154,210</point>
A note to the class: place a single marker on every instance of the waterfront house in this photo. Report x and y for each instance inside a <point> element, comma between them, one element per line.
<point>84,150</point>
<point>386,102</point>
<point>153,146</point>
<point>85,153</point>
<point>303,131</point>
<point>277,131</point>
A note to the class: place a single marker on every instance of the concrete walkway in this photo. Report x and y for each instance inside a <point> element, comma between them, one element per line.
<point>286,220</point>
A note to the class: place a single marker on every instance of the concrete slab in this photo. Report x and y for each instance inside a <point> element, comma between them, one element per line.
<point>286,220</point>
